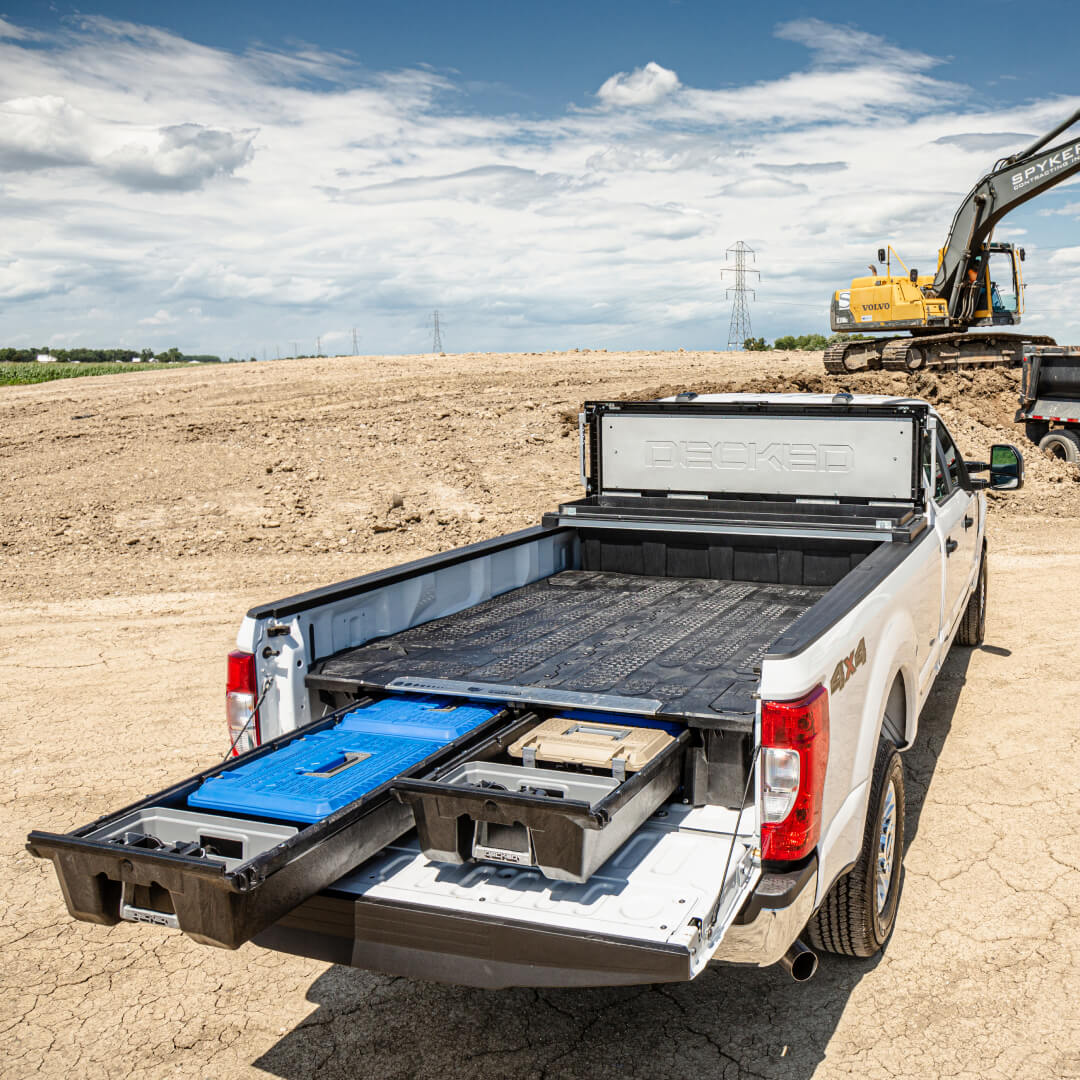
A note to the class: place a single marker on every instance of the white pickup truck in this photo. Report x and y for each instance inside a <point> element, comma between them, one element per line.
<point>767,584</point>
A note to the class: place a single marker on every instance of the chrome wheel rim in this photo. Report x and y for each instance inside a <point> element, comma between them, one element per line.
<point>886,848</point>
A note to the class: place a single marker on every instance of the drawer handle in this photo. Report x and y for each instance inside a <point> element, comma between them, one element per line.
<point>337,765</point>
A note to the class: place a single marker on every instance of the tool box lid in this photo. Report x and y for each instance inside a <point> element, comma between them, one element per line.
<point>563,739</point>
<point>420,716</point>
<point>316,774</point>
<point>313,776</point>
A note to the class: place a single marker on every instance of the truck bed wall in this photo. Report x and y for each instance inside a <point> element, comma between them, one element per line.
<point>1059,377</point>
<point>785,560</point>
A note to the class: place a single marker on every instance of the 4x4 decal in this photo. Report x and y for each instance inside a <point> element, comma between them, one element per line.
<point>845,670</point>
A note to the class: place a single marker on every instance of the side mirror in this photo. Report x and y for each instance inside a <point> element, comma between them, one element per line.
<point>1006,467</point>
<point>914,275</point>
<point>1023,254</point>
<point>880,255</point>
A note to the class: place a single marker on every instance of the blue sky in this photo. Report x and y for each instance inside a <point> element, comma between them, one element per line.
<point>238,177</point>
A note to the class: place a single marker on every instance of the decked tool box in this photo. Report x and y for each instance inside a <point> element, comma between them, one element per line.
<point>566,823</point>
<point>223,877</point>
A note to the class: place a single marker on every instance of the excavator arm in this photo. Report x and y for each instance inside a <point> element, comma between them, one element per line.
<point>1014,181</point>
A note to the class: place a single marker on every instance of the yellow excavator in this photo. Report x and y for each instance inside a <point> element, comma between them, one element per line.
<point>954,317</point>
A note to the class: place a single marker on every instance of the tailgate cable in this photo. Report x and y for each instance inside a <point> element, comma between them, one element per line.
<point>715,913</point>
<point>254,709</point>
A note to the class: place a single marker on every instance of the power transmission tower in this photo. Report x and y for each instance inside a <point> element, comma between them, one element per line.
<point>318,346</point>
<point>355,347</point>
<point>296,348</point>
<point>436,336</point>
<point>739,330</point>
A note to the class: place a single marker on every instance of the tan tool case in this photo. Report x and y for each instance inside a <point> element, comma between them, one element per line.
<point>618,748</point>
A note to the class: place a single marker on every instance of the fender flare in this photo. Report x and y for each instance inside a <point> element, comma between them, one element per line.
<point>895,659</point>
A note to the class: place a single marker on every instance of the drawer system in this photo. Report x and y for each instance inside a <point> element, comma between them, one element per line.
<point>229,851</point>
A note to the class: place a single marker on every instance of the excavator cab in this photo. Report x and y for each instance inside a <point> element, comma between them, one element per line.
<point>999,293</point>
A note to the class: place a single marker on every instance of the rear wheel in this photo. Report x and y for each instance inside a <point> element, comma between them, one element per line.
<point>973,623</point>
<point>1063,444</point>
<point>859,911</point>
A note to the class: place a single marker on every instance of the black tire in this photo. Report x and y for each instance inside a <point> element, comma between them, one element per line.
<point>973,622</point>
<point>1063,444</point>
<point>1036,430</point>
<point>851,921</point>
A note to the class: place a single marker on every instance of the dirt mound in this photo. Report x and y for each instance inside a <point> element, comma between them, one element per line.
<point>321,469</point>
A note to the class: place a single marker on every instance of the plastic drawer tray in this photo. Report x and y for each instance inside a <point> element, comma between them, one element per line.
<point>227,895</point>
<point>567,839</point>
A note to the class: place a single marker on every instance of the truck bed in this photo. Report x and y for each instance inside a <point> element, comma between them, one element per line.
<point>690,647</point>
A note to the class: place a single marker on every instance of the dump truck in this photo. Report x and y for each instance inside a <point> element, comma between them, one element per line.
<point>1050,400</point>
<point>661,729</point>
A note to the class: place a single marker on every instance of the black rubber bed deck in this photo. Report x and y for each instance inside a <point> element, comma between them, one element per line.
<point>680,646</point>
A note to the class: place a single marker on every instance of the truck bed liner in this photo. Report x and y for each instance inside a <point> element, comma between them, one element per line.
<point>681,646</point>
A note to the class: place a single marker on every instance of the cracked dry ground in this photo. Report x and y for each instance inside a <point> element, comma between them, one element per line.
<point>142,514</point>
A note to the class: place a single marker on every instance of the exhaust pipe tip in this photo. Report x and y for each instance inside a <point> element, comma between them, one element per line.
<point>800,962</point>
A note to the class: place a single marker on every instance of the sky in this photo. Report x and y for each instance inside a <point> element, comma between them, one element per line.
<point>248,179</point>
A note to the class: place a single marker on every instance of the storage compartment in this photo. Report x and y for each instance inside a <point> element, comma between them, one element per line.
<point>564,821</point>
<point>224,877</point>
<point>198,836</point>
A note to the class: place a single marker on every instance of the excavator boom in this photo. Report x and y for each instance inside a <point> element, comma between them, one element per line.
<point>1013,182</point>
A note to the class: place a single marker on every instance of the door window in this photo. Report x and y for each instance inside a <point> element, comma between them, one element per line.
<point>941,486</point>
<point>950,456</point>
<point>1002,286</point>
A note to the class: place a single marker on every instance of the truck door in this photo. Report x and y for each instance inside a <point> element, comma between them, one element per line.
<point>957,526</point>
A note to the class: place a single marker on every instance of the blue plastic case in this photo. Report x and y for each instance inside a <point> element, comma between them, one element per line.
<point>314,775</point>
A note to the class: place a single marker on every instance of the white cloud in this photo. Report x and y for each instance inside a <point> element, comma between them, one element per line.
<point>762,187</point>
<point>184,158</point>
<point>15,33</point>
<point>847,46</point>
<point>643,86</point>
<point>265,197</point>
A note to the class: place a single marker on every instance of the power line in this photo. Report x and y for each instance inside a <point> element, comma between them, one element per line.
<point>739,329</point>
<point>436,336</point>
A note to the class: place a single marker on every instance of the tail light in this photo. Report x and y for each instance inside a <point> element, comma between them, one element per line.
<point>795,749</point>
<point>240,701</point>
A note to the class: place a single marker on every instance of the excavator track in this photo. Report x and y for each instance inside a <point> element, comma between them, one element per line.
<point>846,357</point>
<point>957,352</point>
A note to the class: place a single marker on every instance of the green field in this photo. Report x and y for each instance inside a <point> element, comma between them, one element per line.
<point>19,374</point>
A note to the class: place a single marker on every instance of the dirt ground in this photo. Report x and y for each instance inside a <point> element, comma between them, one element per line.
<point>140,517</point>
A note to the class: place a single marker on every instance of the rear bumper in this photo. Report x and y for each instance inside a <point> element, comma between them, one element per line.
<point>772,918</point>
<point>463,950</point>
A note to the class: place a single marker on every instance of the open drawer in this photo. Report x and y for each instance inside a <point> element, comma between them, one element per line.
<point>502,803</point>
<point>194,858</point>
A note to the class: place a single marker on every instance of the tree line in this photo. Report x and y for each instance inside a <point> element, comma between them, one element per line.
<point>102,356</point>
<point>805,342</point>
